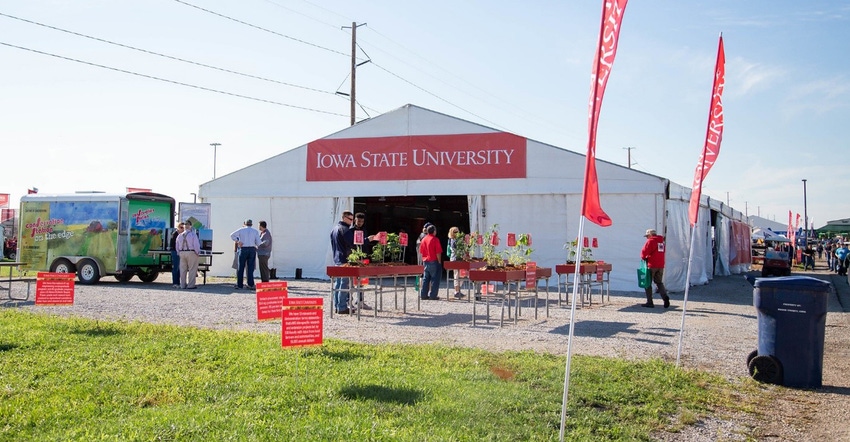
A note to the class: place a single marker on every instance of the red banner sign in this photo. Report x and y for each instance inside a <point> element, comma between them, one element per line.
<point>425,157</point>
<point>7,214</point>
<point>54,288</point>
<point>301,322</point>
<point>270,296</point>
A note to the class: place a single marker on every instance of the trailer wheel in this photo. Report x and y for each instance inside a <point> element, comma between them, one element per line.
<point>148,275</point>
<point>124,276</point>
<point>87,272</point>
<point>766,369</point>
<point>62,265</point>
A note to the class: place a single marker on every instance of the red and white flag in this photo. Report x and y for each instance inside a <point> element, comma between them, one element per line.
<point>609,34</point>
<point>790,228</point>
<point>4,200</point>
<point>713,135</point>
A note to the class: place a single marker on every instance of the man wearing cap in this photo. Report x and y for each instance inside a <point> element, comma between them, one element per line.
<point>653,253</point>
<point>432,257</point>
<point>189,248</point>
<point>247,239</point>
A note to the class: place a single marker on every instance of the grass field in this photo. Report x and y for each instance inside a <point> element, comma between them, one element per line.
<point>83,380</point>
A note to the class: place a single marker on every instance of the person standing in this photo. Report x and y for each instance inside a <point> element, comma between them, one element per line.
<point>842,258</point>
<point>189,248</point>
<point>264,251</point>
<point>248,239</point>
<point>432,257</point>
<point>175,256</point>
<point>830,261</point>
<point>360,224</point>
<point>341,247</point>
<point>653,253</point>
<point>453,256</point>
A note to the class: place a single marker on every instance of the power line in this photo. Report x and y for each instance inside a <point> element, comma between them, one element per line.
<point>261,28</point>
<point>232,94</point>
<point>167,56</point>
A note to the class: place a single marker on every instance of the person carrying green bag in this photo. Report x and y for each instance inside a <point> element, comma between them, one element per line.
<point>653,253</point>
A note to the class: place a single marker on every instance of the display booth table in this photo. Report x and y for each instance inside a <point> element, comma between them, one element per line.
<point>402,277</point>
<point>507,287</point>
<point>591,275</point>
<point>458,271</point>
<point>8,289</point>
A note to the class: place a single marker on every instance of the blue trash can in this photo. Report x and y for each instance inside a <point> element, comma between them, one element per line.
<point>791,325</point>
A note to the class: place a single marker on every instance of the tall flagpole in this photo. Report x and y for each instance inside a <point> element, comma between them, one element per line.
<point>576,277</point>
<point>687,289</point>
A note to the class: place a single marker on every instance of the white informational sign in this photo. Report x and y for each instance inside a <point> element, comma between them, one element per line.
<point>198,213</point>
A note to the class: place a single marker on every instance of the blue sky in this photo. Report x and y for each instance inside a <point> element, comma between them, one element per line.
<point>522,67</point>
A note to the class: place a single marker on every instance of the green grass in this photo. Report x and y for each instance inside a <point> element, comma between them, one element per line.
<point>79,379</point>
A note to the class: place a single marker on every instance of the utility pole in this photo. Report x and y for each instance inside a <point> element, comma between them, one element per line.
<point>629,149</point>
<point>354,65</point>
<point>215,147</point>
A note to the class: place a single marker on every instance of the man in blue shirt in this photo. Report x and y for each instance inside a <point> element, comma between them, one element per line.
<point>842,254</point>
<point>341,245</point>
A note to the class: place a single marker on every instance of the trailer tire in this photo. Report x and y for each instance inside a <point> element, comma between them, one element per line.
<point>124,276</point>
<point>87,272</point>
<point>148,275</point>
<point>62,265</point>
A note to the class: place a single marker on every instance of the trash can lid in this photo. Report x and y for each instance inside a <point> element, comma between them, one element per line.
<point>798,282</point>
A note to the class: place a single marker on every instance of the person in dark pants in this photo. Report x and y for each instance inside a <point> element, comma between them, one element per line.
<point>341,246</point>
<point>175,257</point>
<point>432,258</point>
<point>653,253</point>
<point>264,252</point>
<point>248,239</point>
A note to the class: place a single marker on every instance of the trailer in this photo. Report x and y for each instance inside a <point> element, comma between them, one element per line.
<point>95,234</point>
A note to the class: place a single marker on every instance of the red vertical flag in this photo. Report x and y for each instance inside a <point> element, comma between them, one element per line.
<point>713,135</point>
<point>606,50</point>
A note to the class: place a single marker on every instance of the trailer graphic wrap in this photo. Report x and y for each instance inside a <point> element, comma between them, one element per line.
<point>148,221</point>
<point>68,228</point>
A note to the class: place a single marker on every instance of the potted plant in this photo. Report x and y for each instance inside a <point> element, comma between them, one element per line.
<point>389,252</point>
<point>357,256</point>
<point>585,254</point>
<point>518,254</point>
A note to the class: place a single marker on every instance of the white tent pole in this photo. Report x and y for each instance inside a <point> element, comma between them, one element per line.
<point>576,277</point>
<point>687,289</point>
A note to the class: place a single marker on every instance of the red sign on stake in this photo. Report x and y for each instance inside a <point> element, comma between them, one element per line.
<point>511,239</point>
<point>402,239</point>
<point>358,237</point>
<point>301,322</point>
<point>270,296</point>
<point>54,288</point>
<point>595,242</point>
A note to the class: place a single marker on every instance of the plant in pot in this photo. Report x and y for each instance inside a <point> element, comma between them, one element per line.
<point>389,252</point>
<point>462,249</point>
<point>585,254</point>
<point>518,254</point>
<point>357,256</point>
<point>493,258</point>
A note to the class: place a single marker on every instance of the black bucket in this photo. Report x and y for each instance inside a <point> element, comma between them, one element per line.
<point>272,273</point>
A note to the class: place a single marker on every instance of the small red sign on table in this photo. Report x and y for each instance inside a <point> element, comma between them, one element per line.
<point>54,288</point>
<point>301,322</point>
<point>402,239</point>
<point>270,296</point>
<point>530,274</point>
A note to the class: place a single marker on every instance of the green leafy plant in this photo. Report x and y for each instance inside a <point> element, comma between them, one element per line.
<point>490,255</point>
<point>518,254</point>
<point>391,252</point>
<point>357,255</point>
<point>462,249</point>
<point>572,248</point>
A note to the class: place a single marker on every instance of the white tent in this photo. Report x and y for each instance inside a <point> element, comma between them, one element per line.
<point>543,201</point>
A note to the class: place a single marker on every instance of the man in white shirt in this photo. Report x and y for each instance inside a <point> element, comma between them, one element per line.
<point>189,248</point>
<point>247,239</point>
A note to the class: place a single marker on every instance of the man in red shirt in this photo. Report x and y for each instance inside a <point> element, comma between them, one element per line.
<point>432,257</point>
<point>653,253</point>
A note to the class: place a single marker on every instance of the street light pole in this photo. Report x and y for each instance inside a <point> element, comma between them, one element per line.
<point>215,146</point>
<point>805,218</point>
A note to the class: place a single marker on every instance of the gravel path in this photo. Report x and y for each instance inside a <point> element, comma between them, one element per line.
<point>720,328</point>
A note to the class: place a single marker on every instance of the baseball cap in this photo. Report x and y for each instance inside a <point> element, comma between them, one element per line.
<point>649,232</point>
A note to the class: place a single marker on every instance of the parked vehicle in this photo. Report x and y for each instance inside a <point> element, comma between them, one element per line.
<point>777,260</point>
<point>95,234</point>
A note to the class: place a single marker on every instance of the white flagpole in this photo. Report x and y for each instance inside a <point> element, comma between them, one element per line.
<point>576,277</point>
<point>687,289</point>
